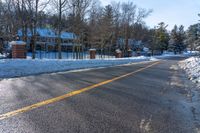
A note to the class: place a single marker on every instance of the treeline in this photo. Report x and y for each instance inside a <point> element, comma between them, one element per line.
<point>96,26</point>
<point>177,40</point>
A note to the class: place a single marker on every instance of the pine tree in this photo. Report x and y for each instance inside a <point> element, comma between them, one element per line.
<point>177,38</point>
<point>193,37</point>
<point>161,37</point>
<point>106,26</point>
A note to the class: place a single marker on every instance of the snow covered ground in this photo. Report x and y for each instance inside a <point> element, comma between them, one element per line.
<point>2,56</point>
<point>192,68</point>
<point>171,54</point>
<point>191,53</point>
<point>23,67</point>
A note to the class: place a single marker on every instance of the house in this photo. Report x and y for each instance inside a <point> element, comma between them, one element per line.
<point>47,38</point>
<point>137,46</point>
<point>133,44</point>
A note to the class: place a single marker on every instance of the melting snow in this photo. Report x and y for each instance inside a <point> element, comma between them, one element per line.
<point>23,67</point>
<point>192,68</point>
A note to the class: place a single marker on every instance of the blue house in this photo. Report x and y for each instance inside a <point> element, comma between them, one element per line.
<point>132,44</point>
<point>48,38</point>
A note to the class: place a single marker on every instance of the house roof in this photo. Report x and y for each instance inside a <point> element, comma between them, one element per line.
<point>45,32</point>
<point>68,35</point>
<point>19,32</point>
<point>121,41</point>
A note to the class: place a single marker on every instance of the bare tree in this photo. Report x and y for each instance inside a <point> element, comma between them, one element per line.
<point>9,23</point>
<point>117,21</point>
<point>86,18</point>
<point>95,14</point>
<point>131,15</point>
<point>79,9</point>
<point>60,6</point>
<point>36,6</point>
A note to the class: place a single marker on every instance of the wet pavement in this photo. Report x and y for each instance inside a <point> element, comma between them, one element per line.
<point>159,99</point>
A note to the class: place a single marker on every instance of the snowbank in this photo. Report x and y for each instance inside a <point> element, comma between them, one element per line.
<point>2,56</point>
<point>191,53</point>
<point>23,67</point>
<point>166,55</point>
<point>192,68</point>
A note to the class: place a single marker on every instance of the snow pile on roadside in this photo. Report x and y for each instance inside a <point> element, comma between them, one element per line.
<point>191,53</point>
<point>192,68</point>
<point>2,56</point>
<point>23,67</point>
<point>168,55</point>
<point>165,56</point>
<point>184,54</point>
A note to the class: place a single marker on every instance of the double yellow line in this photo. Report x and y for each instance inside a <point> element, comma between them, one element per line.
<point>73,93</point>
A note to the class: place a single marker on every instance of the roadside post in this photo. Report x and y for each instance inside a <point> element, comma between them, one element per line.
<point>18,49</point>
<point>129,53</point>
<point>118,53</point>
<point>92,53</point>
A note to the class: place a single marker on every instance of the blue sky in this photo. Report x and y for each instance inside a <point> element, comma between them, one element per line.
<point>169,11</point>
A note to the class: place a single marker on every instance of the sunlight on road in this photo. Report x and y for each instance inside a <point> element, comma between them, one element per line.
<point>145,125</point>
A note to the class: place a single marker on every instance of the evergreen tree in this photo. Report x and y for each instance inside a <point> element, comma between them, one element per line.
<point>106,26</point>
<point>177,38</point>
<point>161,37</point>
<point>193,37</point>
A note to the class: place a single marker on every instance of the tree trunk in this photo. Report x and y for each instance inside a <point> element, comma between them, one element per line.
<point>35,29</point>
<point>59,30</point>
<point>126,40</point>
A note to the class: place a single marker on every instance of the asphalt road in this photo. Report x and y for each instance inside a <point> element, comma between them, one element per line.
<point>154,98</point>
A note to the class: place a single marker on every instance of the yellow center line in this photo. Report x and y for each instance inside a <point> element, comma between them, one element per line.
<point>70,94</point>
